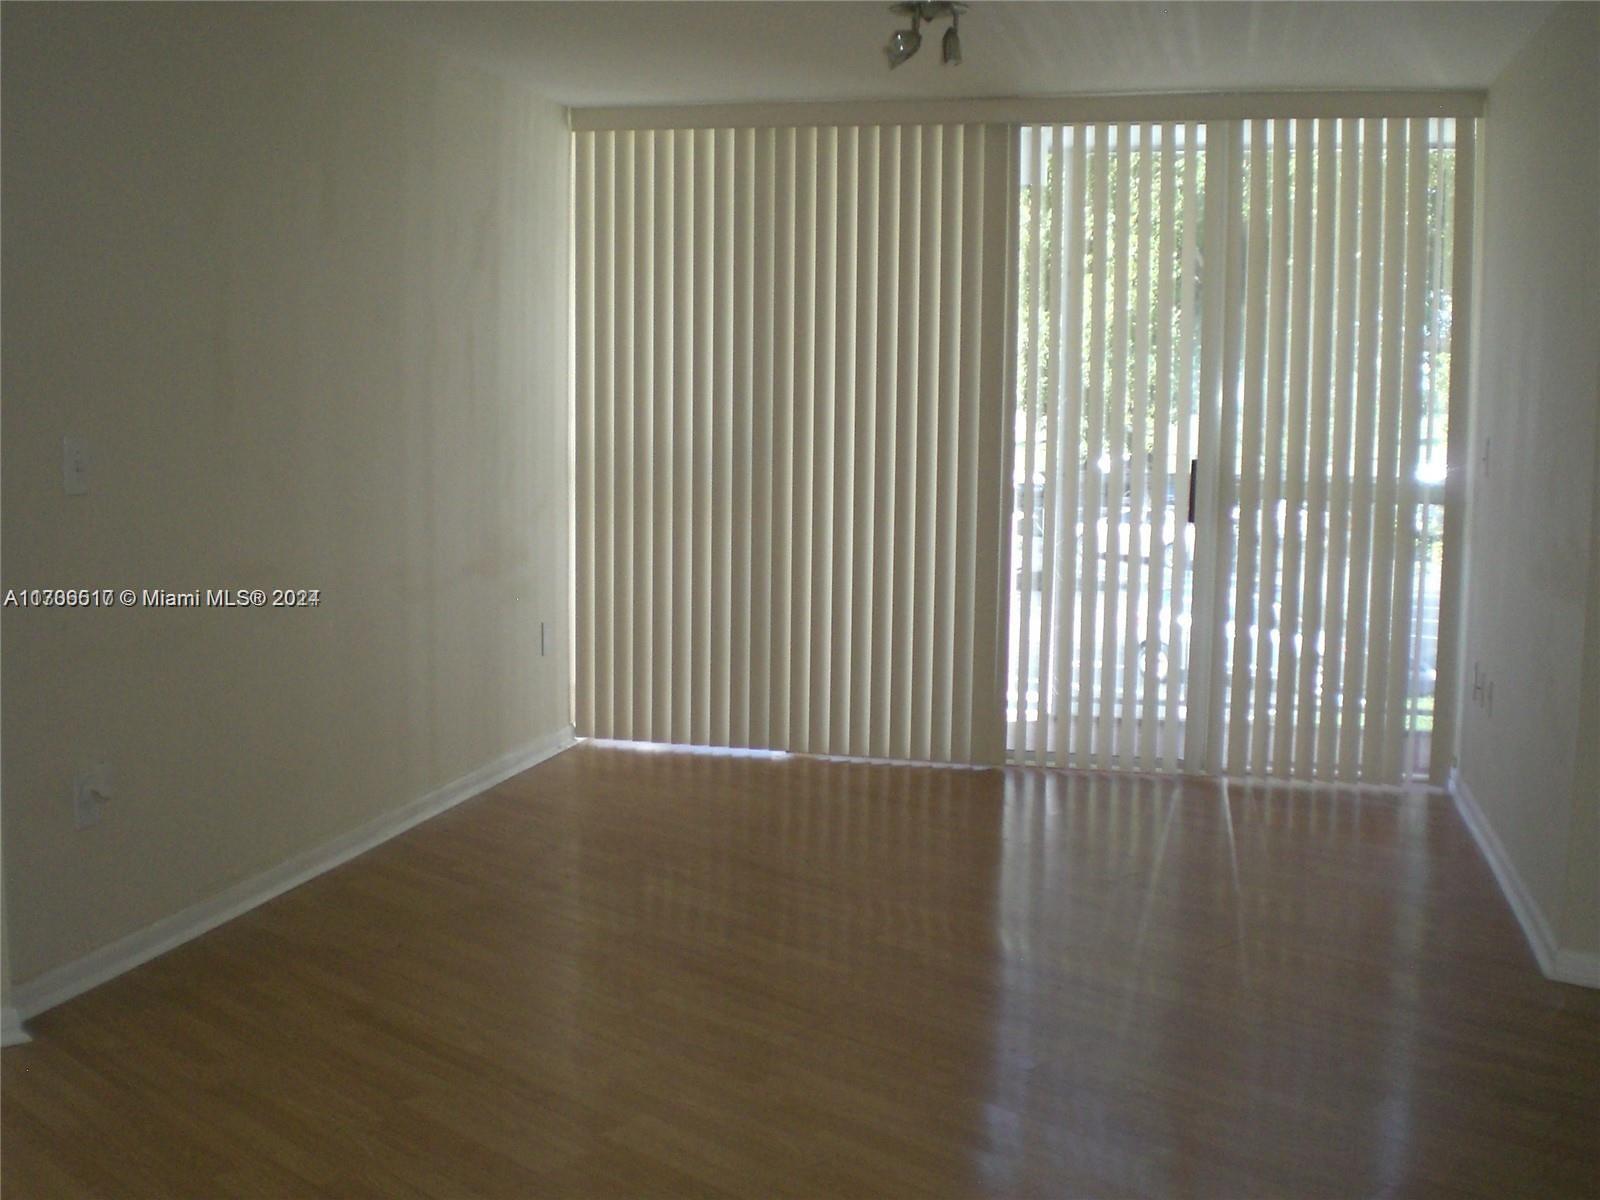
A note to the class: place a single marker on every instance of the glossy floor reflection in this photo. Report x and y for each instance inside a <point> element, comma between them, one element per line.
<point>642,973</point>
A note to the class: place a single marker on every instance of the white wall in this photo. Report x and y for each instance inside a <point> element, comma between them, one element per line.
<point>303,289</point>
<point>1533,520</point>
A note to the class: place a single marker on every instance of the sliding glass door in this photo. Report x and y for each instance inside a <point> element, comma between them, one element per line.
<point>1232,379</point>
<point>1102,550</point>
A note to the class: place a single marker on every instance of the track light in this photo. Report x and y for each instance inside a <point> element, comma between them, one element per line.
<point>952,43</point>
<point>903,43</point>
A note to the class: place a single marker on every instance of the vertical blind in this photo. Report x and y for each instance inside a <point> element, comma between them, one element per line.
<point>1111,444</point>
<point>1246,323</point>
<point>790,359</point>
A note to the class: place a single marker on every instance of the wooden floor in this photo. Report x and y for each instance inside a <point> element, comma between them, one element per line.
<point>646,974</point>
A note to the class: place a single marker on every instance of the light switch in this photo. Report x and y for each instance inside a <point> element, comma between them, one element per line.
<point>75,466</point>
<point>91,792</point>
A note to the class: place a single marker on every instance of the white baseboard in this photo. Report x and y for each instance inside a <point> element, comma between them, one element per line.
<point>1564,966</point>
<point>11,1031</point>
<point>1574,966</point>
<point>42,992</point>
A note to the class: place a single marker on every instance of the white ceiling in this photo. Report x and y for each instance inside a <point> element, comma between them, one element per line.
<point>603,53</point>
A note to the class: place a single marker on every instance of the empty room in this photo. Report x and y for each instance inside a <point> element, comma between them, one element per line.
<point>766,599</point>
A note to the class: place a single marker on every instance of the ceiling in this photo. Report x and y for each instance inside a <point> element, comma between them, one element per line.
<point>603,53</point>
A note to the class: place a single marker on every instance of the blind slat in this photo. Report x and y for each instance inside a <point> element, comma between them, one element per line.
<point>1362,462</point>
<point>1023,479</point>
<point>1071,343</point>
<point>1227,468</point>
<point>1137,547</point>
<point>924,514</point>
<point>585,279</point>
<point>802,463</point>
<point>1318,449</point>
<point>865,524</point>
<point>675,455</point>
<point>883,592</point>
<point>741,664</point>
<point>722,576</point>
<point>901,613</point>
<point>818,527</point>
<point>1339,486</point>
<point>843,360</point>
<point>946,527</point>
<point>1089,741</point>
<point>1269,636</point>
<point>1379,599</point>
<point>1285,725</point>
<point>1161,526</point>
<point>1116,430</point>
<point>763,204</point>
<point>783,439</point>
<point>1051,400</point>
<point>974,597</point>
<point>1244,646</point>
<point>628,700</point>
<point>1172,742</point>
<point>702,421</point>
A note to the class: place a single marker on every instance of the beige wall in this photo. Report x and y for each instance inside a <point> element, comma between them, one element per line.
<point>302,287</point>
<point>1531,526</point>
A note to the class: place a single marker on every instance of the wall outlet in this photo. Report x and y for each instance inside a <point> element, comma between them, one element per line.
<point>91,792</point>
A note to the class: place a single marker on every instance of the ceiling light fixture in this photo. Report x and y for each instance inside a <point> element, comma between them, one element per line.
<point>903,43</point>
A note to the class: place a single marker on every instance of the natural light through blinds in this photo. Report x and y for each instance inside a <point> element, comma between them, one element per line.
<point>789,374</point>
<point>1261,307</point>
<point>1108,260</point>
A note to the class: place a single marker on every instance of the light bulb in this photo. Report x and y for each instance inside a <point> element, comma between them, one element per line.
<point>952,46</point>
<point>903,44</point>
